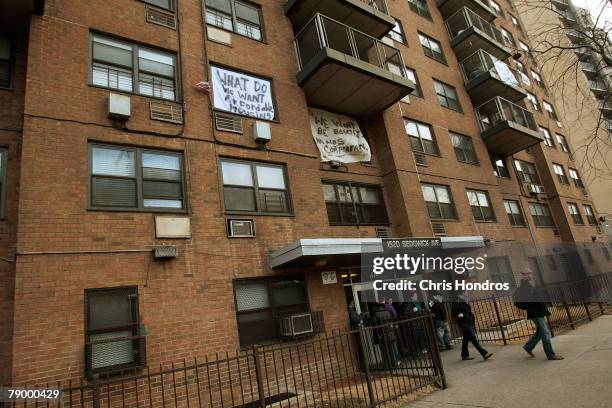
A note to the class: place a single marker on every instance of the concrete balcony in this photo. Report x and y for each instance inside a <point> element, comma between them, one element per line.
<point>600,88</point>
<point>507,128</point>
<point>605,106</point>
<point>346,71</point>
<point>368,16</point>
<point>468,32</point>
<point>487,77</point>
<point>589,69</point>
<point>17,13</point>
<point>449,7</point>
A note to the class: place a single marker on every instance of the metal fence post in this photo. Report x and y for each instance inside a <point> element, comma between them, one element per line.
<point>432,338</point>
<point>366,365</point>
<point>499,320</point>
<point>259,378</point>
<point>567,311</point>
<point>588,312</point>
<point>95,391</point>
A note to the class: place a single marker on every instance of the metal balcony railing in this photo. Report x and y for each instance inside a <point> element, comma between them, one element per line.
<point>380,5</point>
<point>323,32</point>
<point>465,19</point>
<point>481,62</point>
<point>499,110</point>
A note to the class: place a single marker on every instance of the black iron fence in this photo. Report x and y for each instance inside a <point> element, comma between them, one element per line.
<point>361,368</point>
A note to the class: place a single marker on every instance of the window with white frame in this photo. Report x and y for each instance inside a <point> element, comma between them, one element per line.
<point>515,215</point>
<point>241,17</point>
<point>464,148</point>
<point>560,172</point>
<point>575,213</point>
<point>563,143</point>
<point>576,178</point>
<point>548,141</point>
<point>439,202</point>
<point>551,110</point>
<point>397,32</point>
<point>481,206</point>
<point>421,136</point>
<point>541,214</point>
<point>534,101</point>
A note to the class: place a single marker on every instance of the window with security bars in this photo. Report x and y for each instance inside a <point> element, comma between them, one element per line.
<point>560,172</point>
<point>563,143</point>
<point>3,171</point>
<point>130,178</point>
<point>397,32</point>
<point>432,48</point>
<point>241,17</point>
<point>499,166</point>
<point>439,202</point>
<point>260,302</point>
<point>526,172</point>
<point>541,215</point>
<point>6,53</point>
<point>354,204</point>
<point>464,148</point>
<point>590,215</point>
<point>481,206</point>
<point>421,136</point>
<point>500,270</point>
<point>447,96</point>
<point>420,7</point>
<point>515,215</point>
<point>165,4</point>
<point>255,187</point>
<point>133,68</point>
<point>575,213</point>
<point>112,330</point>
<point>576,178</point>
<point>548,141</point>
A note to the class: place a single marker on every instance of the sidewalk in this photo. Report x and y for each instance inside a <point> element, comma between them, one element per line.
<point>511,379</point>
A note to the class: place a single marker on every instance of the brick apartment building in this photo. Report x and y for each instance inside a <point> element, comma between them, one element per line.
<point>90,188</point>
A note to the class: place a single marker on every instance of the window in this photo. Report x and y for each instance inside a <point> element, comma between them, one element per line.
<point>496,8</point>
<point>464,148</point>
<point>112,330</point>
<point>508,38</point>
<point>513,210</point>
<point>534,101</point>
<point>432,48</point>
<point>501,270</point>
<point>420,7</point>
<point>354,204</point>
<point>120,65</point>
<point>576,178</point>
<point>541,215</point>
<point>590,215</point>
<point>499,166</point>
<point>439,202</point>
<point>538,79</point>
<point>560,172</point>
<point>3,171</point>
<point>421,137</point>
<point>551,111</point>
<point>526,172</point>
<point>515,22</point>
<point>575,213</point>
<point>253,187</point>
<point>447,96</point>
<point>260,302</point>
<point>525,48</point>
<point>130,178</point>
<point>563,143</point>
<point>548,141</point>
<point>481,207</point>
<point>165,4</point>
<point>397,32</point>
<point>5,62</point>
<point>237,16</point>
<point>412,75</point>
<point>520,66</point>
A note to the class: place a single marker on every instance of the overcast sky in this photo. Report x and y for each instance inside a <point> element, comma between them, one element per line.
<point>595,7</point>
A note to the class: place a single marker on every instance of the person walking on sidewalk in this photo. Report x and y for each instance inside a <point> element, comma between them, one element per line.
<point>440,320</point>
<point>462,311</point>
<point>536,312</point>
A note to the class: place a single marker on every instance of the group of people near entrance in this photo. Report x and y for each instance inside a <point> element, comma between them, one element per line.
<point>409,340</point>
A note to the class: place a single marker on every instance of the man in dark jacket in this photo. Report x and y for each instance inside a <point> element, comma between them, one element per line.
<point>462,311</point>
<point>537,312</point>
<point>384,335</point>
<point>440,320</point>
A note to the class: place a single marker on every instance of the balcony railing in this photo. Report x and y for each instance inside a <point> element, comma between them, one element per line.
<point>323,32</point>
<point>380,5</point>
<point>465,19</point>
<point>499,110</point>
<point>481,62</point>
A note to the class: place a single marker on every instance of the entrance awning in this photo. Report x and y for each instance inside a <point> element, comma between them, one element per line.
<point>346,251</point>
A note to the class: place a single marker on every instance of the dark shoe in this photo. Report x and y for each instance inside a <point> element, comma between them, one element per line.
<point>487,356</point>
<point>555,358</point>
<point>529,352</point>
<point>467,358</point>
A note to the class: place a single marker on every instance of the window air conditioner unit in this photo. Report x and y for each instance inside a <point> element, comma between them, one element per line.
<point>535,189</point>
<point>165,252</point>
<point>240,228</point>
<point>296,325</point>
<point>262,132</point>
<point>119,106</point>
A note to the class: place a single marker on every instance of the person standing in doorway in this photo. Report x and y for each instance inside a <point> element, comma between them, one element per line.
<point>462,311</point>
<point>537,313</point>
<point>443,332</point>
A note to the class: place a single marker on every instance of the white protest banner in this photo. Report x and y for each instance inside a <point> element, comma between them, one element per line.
<point>338,137</point>
<point>243,94</point>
